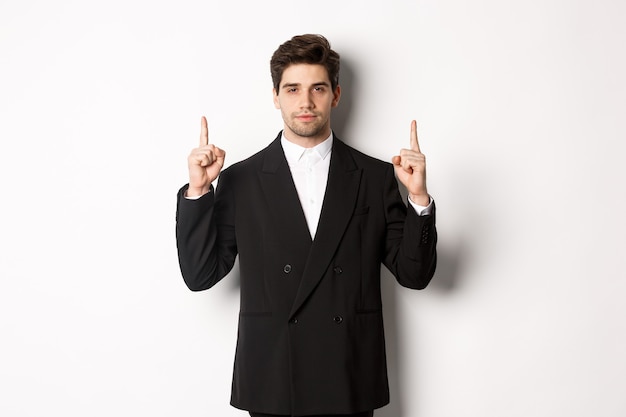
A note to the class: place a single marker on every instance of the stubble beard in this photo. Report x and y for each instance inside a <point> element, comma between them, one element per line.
<point>307,130</point>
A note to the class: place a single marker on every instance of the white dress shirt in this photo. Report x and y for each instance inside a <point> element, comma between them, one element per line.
<point>309,170</point>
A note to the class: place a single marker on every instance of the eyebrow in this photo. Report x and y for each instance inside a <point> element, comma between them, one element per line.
<point>321,83</point>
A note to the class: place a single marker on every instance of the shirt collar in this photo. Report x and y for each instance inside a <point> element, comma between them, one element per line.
<point>294,152</point>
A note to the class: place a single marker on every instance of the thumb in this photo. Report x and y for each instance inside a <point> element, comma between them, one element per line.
<point>219,152</point>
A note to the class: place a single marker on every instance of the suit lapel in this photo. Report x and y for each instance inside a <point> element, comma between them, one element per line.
<point>281,195</point>
<point>339,200</point>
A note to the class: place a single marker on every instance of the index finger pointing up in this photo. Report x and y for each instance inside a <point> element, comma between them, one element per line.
<point>414,144</point>
<point>204,132</point>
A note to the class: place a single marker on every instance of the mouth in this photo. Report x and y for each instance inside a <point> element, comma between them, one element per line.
<point>306,117</point>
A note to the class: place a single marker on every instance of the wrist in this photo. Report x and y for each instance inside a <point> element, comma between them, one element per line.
<point>420,199</point>
<point>196,191</point>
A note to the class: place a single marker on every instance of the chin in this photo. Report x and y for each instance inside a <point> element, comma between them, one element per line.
<point>309,132</point>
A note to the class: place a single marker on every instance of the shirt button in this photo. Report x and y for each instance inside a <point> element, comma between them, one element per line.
<point>287,269</point>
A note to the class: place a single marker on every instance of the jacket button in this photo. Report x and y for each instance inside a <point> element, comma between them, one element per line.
<point>293,321</point>
<point>338,319</point>
<point>337,270</point>
<point>287,269</point>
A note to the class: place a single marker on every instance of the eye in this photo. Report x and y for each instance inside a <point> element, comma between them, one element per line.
<point>319,89</point>
<point>292,90</point>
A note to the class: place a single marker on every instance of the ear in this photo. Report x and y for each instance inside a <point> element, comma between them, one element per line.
<point>336,96</point>
<point>276,100</point>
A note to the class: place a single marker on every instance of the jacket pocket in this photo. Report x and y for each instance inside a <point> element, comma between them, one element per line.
<point>370,311</point>
<point>255,313</point>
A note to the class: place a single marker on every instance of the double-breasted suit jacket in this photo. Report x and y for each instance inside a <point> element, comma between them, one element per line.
<point>310,337</point>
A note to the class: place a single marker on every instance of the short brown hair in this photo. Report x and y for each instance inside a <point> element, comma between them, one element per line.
<point>305,49</point>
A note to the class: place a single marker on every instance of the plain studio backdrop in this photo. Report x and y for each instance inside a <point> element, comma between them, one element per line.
<point>520,107</point>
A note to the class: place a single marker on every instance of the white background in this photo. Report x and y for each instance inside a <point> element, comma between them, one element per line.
<point>520,107</point>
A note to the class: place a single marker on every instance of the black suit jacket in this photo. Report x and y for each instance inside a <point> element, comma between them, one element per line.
<point>310,338</point>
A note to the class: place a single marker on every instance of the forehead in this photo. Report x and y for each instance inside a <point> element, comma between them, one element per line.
<point>304,74</point>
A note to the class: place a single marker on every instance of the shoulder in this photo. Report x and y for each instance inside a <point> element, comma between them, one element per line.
<point>256,161</point>
<point>362,160</point>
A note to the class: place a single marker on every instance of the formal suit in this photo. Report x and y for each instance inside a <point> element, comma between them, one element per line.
<point>310,338</point>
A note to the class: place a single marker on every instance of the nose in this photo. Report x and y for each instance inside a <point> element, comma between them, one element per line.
<point>306,101</point>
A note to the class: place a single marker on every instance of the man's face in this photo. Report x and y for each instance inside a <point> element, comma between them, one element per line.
<point>305,98</point>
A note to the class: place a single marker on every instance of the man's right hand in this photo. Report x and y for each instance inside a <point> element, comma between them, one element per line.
<point>205,163</point>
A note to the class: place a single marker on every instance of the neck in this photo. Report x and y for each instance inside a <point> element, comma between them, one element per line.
<point>306,141</point>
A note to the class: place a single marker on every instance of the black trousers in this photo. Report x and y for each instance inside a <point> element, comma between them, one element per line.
<point>363,414</point>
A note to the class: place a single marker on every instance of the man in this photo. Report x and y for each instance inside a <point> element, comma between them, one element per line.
<point>312,219</point>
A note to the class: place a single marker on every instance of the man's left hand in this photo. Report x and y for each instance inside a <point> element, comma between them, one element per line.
<point>410,168</point>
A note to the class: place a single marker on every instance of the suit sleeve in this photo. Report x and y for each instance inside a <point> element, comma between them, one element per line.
<point>411,241</point>
<point>205,237</point>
